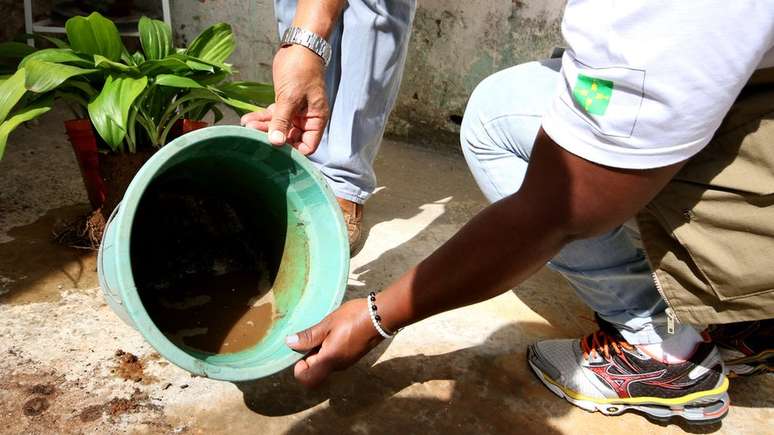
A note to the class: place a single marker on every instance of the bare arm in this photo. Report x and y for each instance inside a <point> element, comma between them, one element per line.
<point>318,16</point>
<point>300,112</point>
<point>563,198</point>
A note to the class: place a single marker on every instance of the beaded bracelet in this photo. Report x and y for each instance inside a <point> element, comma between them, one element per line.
<point>376,319</point>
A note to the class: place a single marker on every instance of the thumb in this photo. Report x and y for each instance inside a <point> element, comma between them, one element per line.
<point>281,122</point>
<point>307,339</point>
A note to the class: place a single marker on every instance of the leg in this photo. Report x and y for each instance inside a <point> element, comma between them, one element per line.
<point>373,51</point>
<point>610,273</point>
<point>369,52</point>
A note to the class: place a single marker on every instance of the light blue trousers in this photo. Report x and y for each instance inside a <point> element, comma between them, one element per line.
<point>369,45</point>
<point>610,273</point>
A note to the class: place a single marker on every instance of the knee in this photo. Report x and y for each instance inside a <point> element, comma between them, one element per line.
<point>506,105</point>
<point>473,138</point>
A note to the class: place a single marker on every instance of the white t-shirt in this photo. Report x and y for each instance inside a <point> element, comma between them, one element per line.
<point>647,82</point>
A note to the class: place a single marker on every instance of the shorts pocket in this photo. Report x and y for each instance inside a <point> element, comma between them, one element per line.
<point>729,235</point>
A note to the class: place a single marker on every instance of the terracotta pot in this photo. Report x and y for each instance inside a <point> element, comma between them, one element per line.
<point>84,143</point>
<point>184,126</point>
<point>123,167</point>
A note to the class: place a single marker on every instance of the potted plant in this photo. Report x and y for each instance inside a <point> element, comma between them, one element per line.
<point>134,102</point>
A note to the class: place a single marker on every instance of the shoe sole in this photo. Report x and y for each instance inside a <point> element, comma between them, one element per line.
<point>701,408</point>
<point>758,364</point>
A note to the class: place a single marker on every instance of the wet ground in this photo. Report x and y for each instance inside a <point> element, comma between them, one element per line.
<point>69,365</point>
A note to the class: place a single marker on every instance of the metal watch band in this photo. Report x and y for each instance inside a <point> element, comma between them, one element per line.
<point>310,40</point>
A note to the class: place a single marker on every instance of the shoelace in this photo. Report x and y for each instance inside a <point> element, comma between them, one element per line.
<point>600,342</point>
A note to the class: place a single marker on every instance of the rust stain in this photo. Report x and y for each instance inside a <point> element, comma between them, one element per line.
<point>131,368</point>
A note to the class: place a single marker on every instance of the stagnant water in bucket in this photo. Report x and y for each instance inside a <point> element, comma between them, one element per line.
<point>204,267</point>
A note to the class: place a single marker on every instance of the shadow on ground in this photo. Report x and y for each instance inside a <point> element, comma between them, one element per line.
<point>487,388</point>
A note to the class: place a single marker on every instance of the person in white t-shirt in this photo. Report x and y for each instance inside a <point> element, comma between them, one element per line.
<point>568,151</point>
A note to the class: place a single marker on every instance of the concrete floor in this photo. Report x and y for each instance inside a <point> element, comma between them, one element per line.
<point>460,372</point>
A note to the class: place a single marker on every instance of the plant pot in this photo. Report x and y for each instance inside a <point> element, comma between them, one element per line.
<point>117,171</point>
<point>84,142</point>
<point>184,126</point>
<point>106,176</point>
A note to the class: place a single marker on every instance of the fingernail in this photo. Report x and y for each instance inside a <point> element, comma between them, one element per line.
<point>276,136</point>
<point>291,339</point>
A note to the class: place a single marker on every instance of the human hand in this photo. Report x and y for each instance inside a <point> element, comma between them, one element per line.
<point>337,342</point>
<point>300,112</point>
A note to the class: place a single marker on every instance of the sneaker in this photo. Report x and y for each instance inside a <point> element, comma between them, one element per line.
<point>602,372</point>
<point>747,348</point>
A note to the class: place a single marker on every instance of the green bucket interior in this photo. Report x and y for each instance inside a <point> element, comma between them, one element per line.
<point>233,244</point>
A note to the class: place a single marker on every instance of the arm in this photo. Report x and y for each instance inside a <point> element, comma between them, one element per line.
<point>318,16</point>
<point>300,111</point>
<point>563,198</point>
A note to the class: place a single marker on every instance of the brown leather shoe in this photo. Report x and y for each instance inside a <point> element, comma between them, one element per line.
<point>353,217</point>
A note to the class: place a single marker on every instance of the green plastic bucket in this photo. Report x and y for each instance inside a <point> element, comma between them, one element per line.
<point>239,164</point>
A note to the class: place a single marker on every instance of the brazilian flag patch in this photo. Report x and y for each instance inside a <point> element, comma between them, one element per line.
<point>593,94</point>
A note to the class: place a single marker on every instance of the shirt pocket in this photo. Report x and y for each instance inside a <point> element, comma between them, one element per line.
<point>608,98</point>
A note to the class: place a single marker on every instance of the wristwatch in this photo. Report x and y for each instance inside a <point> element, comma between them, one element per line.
<point>310,40</point>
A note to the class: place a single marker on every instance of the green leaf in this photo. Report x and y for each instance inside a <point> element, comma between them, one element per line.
<point>83,86</point>
<point>127,58</point>
<point>109,111</point>
<point>215,44</point>
<point>11,91</point>
<point>15,50</point>
<point>105,63</point>
<point>73,98</point>
<point>167,65</point>
<point>218,115</point>
<point>58,43</point>
<point>241,105</point>
<point>199,66</point>
<point>261,94</point>
<point>210,78</point>
<point>23,115</point>
<point>59,55</point>
<point>95,34</point>
<point>176,81</point>
<point>156,38</point>
<point>138,57</point>
<point>45,76</point>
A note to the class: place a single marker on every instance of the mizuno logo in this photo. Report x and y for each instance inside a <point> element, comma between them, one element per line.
<point>620,382</point>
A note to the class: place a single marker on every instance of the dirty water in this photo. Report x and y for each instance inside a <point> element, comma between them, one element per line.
<point>33,268</point>
<point>204,268</point>
<point>215,314</point>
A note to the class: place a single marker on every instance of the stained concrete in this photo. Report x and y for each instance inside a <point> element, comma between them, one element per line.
<point>460,372</point>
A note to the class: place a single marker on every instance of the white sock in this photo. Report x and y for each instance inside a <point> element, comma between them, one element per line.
<point>676,348</point>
